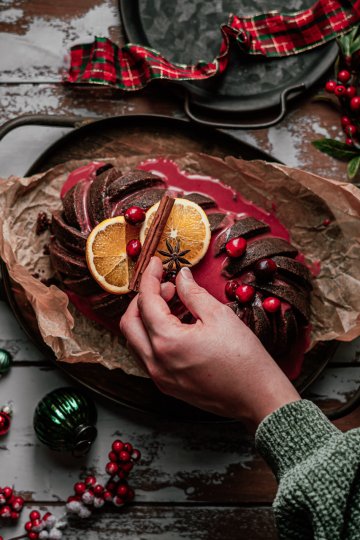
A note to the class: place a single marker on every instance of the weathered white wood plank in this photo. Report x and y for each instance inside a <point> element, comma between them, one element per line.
<point>170,523</point>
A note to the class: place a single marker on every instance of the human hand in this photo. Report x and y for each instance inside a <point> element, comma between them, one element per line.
<point>216,364</point>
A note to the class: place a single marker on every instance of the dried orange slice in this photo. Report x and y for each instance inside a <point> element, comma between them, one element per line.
<point>187,230</point>
<point>106,254</point>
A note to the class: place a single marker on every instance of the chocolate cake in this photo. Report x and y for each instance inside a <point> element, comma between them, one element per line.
<point>261,276</point>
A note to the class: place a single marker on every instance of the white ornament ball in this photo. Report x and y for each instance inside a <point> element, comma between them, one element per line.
<point>87,497</point>
<point>44,535</point>
<point>50,521</point>
<point>55,534</point>
<point>84,512</point>
<point>98,503</point>
<point>74,507</point>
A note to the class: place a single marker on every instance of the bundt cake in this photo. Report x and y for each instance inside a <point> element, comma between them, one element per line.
<point>250,264</point>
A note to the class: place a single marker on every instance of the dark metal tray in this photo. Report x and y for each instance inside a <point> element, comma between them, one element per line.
<point>89,139</point>
<point>187,31</point>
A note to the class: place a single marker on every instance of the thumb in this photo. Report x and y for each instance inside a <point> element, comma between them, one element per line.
<point>196,299</point>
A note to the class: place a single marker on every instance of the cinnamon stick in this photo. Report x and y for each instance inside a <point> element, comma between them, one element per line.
<point>151,241</point>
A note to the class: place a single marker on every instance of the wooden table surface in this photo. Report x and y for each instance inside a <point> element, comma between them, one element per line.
<point>195,482</point>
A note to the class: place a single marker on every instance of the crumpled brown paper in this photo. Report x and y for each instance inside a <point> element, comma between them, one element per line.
<point>301,201</point>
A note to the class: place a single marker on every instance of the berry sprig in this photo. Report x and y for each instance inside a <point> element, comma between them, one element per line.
<point>10,504</point>
<point>89,495</point>
<point>343,90</point>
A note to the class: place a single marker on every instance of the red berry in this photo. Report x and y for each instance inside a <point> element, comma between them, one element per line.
<point>98,490</point>
<point>133,248</point>
<point>122,490</point>
<point>265,269</point>
<point>126,467</point>
<point>113,456</point>
<point>340,90</point>
<point>5,512</point>
<point>33,535</point>
<point>345,121</point>
<point>355,103</point>
<point>107,496</point>
<point>128,447</point>
<point>230,288</point>
<point>326,222</point>
<point>349,141</point>
<point>124,456</point>
<point>111,468</point>
<point>134,215</point>
<point>135,454</point>
<point>350,129</point>
<point>271,304</point>
<point>121,474</point>
<point>236,247</point>
<point>17,503</point>
<point>36,523</point>
<point>46,516</point>
<point>15,515</point>
<point>79,488</point>
<point>117,445</point>
<point>118,501</point>
<point>28,526</point>
<point>34,515</point>
<point>7,492</point>
<point>344,76</point>
<point>330,86</point>
<point>73,498</point>
<point>90,481</point>
<point>245,293</point>
<point>351,91</point>
<point>111,486</point>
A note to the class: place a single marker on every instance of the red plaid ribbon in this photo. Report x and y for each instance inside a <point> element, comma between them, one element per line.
<point>270,34</point>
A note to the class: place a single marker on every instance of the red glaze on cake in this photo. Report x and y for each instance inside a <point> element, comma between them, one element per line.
<point>262,263</point>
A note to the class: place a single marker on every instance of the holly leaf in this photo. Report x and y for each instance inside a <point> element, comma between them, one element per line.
<point>336,149</point>
<point>353,167</point>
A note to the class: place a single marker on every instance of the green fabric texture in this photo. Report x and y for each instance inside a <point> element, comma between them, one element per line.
<point>317,468</point>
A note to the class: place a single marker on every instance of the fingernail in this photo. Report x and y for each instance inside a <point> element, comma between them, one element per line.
<point>186,273</point>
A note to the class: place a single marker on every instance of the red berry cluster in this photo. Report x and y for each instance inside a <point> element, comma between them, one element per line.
<point>264,270</point>
<point>92,494</point>
<point>345,90</point>
<point>38,528</point>
<point>10,504</point>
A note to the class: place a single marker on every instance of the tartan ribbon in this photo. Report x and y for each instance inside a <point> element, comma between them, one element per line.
<point>271,34</point>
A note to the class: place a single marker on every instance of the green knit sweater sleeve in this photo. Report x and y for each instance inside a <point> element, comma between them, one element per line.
<point>318,471</point>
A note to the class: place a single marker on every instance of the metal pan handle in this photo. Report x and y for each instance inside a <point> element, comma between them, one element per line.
<point>223,125</point>
<point>44,120</point>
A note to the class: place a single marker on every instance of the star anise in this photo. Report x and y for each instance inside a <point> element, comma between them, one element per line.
<point>174,257</point>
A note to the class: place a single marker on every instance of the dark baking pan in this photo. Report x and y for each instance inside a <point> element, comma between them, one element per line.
<point>90,138</point>
<point>252,87</point>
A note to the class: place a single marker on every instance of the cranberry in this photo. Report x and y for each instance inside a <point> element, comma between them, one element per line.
<point>355,103</point>
<point>98,490</point>
<point>230,288</point>
<point>28,526</point>
<point>265,269</point>
<point>345,121</point>
<point>349,141</point>
<point>344,76</point>
<point>134,215</point>
<point>33,535</point>
<point>113,456</point>
<point>326,222</point>
<point>351,91</point>
<point>34,515</point>
<point>122,490</point>
<point>36,523</point>
<point>340,90</point>
<point>17,503</point>
<point>111,468</point>
<point>128,447</point>
<point>124,456</point>
<point>117,446</point>
<point>330,86</point>
<point>90,481</point>
<point>350,129</point>
<point>271,304</point>
<point>135,454</point>
<point>118,501</point>
<point>79,488</point>
<point>245,293</point>
<point>15,515</point>
<point>236,247</point>
<point>126,467</point>
<point>133,249</point>
<point>7,492</point>
<point>5,511</point>
<point>107,496</point>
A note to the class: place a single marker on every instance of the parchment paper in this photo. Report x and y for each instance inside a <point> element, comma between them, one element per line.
<point>301,201</point>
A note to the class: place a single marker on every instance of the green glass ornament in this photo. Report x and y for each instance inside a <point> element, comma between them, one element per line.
<point>65,419</point>
<point>5,362</point>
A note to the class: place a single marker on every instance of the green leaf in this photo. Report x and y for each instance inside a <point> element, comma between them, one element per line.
<point>355,46</point>
<point>336,149</point>
<point>353,167</point>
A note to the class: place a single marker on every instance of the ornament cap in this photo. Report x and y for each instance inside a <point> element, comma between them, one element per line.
<point>84,437</point>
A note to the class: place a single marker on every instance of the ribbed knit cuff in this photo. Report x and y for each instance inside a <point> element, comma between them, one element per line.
<point>289,435</point>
